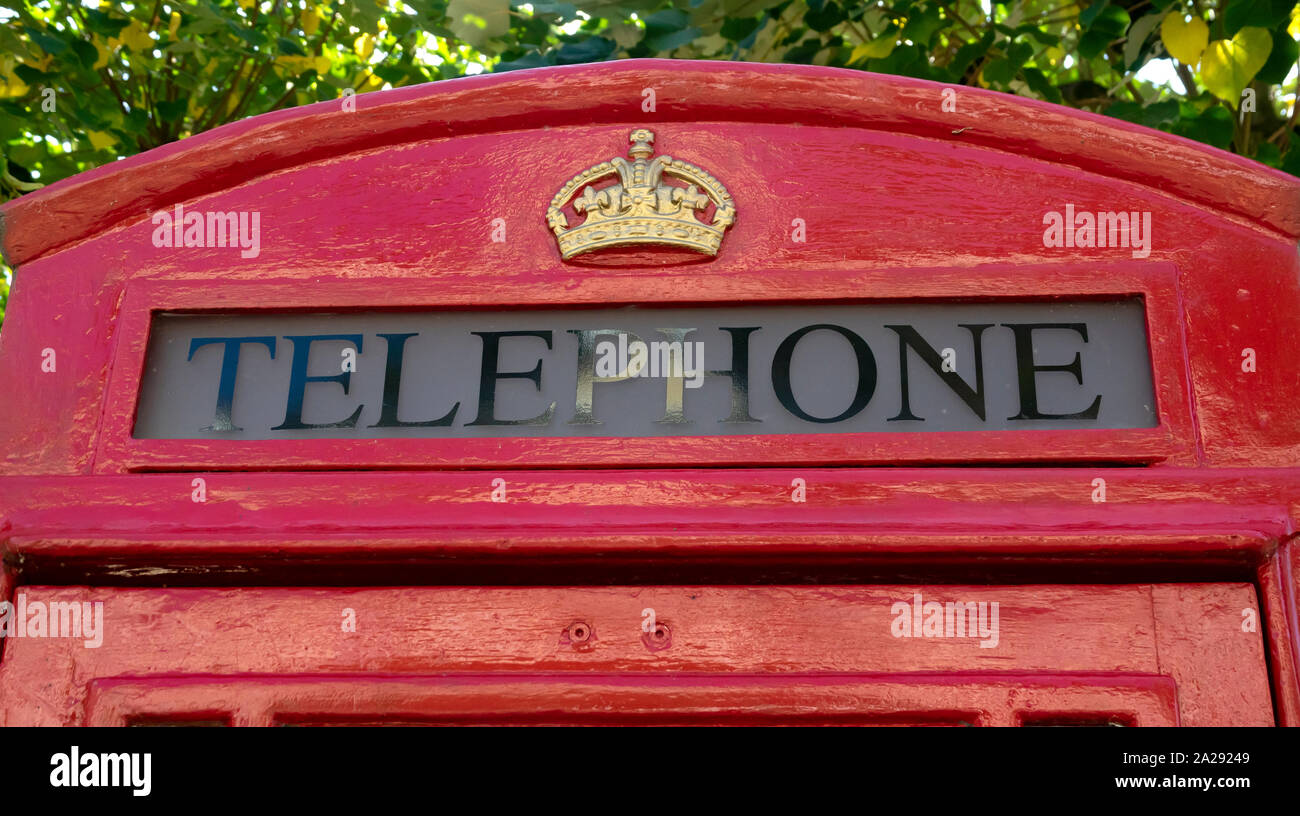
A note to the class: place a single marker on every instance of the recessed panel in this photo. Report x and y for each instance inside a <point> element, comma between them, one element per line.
<point>649,372</point>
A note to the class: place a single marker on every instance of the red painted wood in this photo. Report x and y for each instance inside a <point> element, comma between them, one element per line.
<point>8,579</point>
<point>1151,513</point>
<point>392,206</point>
<point>898,699</point>
<point>1279,582</point>
<point>806,635</point>
<point>743,95</point>
<point>416,223</point>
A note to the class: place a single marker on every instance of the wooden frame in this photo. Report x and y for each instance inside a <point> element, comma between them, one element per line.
<point>1172,441</point>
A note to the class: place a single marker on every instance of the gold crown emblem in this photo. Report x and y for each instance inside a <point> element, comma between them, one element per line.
<point>641,208</point>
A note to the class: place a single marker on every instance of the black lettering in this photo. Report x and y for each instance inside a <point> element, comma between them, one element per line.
<point>1027,370</point>
<point>393,389</point>
<point>298,381</point>
<point>229,364</point>
<point>973,397</point>
<point>488,376</point>
<point>866,373</point>
<point>739,373</point>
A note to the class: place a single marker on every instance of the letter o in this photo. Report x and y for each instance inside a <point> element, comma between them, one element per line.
<point>866,373</point>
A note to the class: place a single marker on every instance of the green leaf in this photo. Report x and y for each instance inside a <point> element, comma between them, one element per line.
<point>594,49</point>
<point>967,54</point>
<point>1214,127</point>
<point>1184,40</point>
<point>921,26</point>
<point>288,46</point>
<point>1035,33</point>
<point>1113,20</point>
<point>1228,66</point>
<point>1107,25</point>
<point>1093,43</point>
<point>86,53</point>
<point>100,23</point>
<point>563,12</point>
<point>1268,153</point>
<point>907,60</point>
<point>533,60</point>
<point>803,52</point>
<point>1000,72</point>
<point>667,30</point>
<point>665,22</point>
<point>1156,115</point>
<point>1088,15</point>
<point>1259,13</point>
<point>48,43</point>
<point>30,75</point>
<point>11,126</point>
<point>1019,53</point>
<point>824,19</point>
<point>738,28</point>
<point>1281,60</point>
<point>249,35</point>
<point>879,48</point>
<point>1039,84</point>
<point>172,111</point>
<point>1291,160</point>
<point>474,21</point>
<point>1138,34</point>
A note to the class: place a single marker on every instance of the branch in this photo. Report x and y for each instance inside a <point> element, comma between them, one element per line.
<point>219,103</point>
<point>954,15</point>
<point>1185,74</point>
<point>1291,120</point>
<point>10,181</point>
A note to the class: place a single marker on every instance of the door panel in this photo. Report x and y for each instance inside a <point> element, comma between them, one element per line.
<point>1130,654</point>
<point>896,699</point>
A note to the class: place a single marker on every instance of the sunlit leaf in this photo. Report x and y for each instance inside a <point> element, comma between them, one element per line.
<point>1228,66</point>
<point>1185,40</point>
<point>477,21</point>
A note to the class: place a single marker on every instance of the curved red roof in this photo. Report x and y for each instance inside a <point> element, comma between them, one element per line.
<point>600,93</point>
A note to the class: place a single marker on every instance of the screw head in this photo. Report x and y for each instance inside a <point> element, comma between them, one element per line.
<point>661,637</point>
<point>579,632</point>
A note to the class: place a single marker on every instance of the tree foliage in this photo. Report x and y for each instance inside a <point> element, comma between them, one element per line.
<point>81,85</point>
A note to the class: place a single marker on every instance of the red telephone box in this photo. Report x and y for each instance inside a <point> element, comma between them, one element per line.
<point>655,392</point>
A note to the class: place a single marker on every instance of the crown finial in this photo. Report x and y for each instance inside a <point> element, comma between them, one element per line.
<point>642,207</point>
<point>642,144</point>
